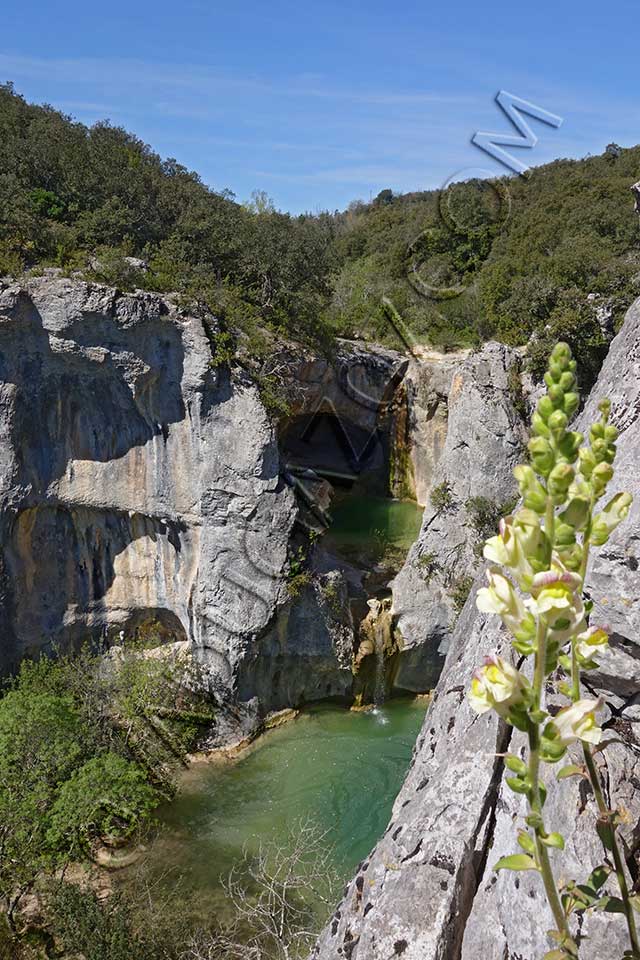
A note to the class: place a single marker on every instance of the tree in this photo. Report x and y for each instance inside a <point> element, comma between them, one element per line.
<point>260,202</point>
<point>274,895</point>
<point>42,740</point>
<point>107,797</point>
<point>384,197</point>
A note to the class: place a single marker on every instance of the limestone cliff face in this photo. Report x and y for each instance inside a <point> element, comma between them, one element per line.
<point>421,424</point>
<point>135,480</point>
<point>138,484</point>
<point>428,890</point>
<point>473,451</point>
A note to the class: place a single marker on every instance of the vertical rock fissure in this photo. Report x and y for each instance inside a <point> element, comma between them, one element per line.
<point>474,870</point>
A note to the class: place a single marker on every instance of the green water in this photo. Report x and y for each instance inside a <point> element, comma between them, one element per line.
<point>340,769</point>
<point>368,529</point>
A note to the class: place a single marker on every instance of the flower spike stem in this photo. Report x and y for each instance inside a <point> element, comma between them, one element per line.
<point>535,800</point>
<point>605,813</point>
<point>594,776</point>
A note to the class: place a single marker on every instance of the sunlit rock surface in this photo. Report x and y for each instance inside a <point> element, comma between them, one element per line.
<point>482,442</point>
<point>136,481</point>
<point>428,890</point>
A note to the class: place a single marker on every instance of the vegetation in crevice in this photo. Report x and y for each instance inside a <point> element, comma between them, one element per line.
<point>483,516</point>
<point>442,498</point>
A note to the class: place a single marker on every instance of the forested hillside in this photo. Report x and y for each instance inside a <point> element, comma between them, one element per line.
<point>502,259</point>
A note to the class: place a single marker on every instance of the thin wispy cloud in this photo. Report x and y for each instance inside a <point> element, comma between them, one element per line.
<point>320,137</point>
<point>85,70</point>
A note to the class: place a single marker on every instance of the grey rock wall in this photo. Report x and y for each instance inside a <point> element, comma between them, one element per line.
<point>135,480</point>
<point>428,890</point>
<point>483,442</point>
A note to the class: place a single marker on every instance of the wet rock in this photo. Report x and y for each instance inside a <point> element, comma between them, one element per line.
<point>420,420</point>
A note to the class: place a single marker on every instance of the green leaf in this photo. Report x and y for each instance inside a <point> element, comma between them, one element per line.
<point>555,955</point>
<point>517,861</point>
<point>555,840</point>
<point>599,876</point>
<point>526,842</point>
<point>610,905</point>
<point>543,794</point>
<point>571,770</point>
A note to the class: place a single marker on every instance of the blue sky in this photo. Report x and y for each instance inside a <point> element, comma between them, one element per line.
<point>323,103</point>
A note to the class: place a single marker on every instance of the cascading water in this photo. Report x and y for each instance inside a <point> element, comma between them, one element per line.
<point>377,626</point>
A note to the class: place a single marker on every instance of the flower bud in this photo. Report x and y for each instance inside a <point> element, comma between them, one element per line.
<point>599,448</point>
<point>577,722</point>
<point>557,422</point>
<point>569,445</point>
<point>562,475</point>
<point>605,407</point>
<point>571,556</point>
<point>498,686</point>
<point>614,513</point>
<point>542,455</point>
<point>531,489</point>
<point>565,534</point>
<point>601,475</point>
<point>551,747</point>
<point>559,481</point>
<point>587,461</point>
<point>556,393</point>
<point>561,354</point>
<point>596,431</point>
<point>571,402</point>
<point>611,433</point>
<point>567,381</point>
<point>539,426</point>
<point>545,407</point>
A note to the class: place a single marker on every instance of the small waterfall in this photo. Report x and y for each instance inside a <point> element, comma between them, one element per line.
<point>375,651</point>
<point>380,634</point>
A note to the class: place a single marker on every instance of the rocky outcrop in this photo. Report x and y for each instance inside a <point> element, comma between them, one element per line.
<point>137,481</point>
<point>482,443</point>
<point>140,484</point>
<point>420,424</point>
<point>428,890</point>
